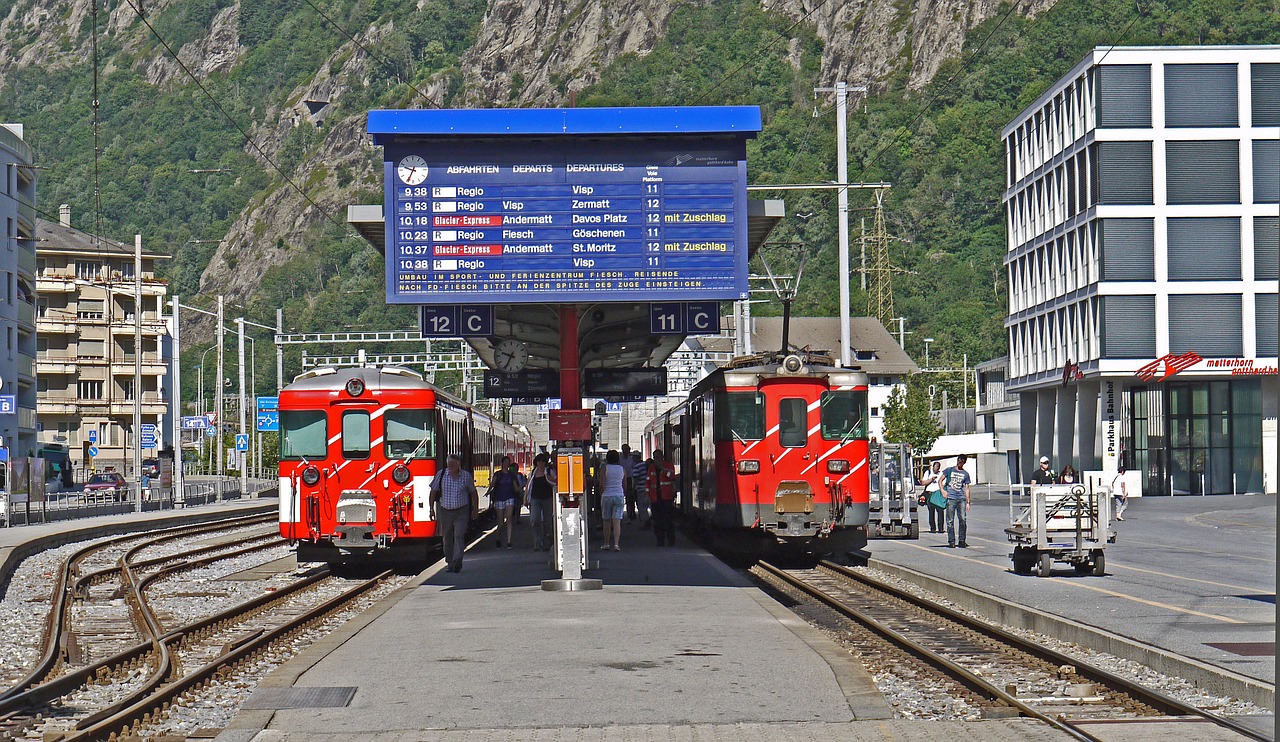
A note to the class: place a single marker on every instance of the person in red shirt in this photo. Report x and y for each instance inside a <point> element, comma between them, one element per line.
<point>662,498</point>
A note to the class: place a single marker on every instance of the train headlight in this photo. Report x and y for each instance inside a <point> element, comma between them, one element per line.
<point>355,386</point>
<point>400,474</point>
<point>749,466</point>
<point>837,466</point>
<point>310,476</point>
<point>793,364</point>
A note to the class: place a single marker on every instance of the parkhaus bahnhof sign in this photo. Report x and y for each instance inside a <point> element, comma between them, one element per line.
<point>565,205</point>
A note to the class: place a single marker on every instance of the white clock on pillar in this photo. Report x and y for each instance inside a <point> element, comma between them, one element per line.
<point>510,356</point>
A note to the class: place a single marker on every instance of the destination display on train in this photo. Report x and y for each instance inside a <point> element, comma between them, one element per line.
<point>598,219</point>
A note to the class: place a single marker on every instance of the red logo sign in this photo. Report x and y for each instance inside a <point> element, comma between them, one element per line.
<point>1172,365</point>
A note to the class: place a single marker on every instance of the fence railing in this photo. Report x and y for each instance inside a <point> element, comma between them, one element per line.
<point>70,505</point>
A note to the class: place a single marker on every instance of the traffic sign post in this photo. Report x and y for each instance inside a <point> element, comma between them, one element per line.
<point>242,441</point>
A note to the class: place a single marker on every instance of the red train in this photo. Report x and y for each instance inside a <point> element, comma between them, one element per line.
<point>771,455</point>
<point>358,450</point>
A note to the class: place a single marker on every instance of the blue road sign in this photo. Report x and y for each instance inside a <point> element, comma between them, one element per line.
<point>622,204</point>
<point>93,436</point>
<point>269,421</point>
<point>210,432</point>
<point>194,422</point>
<point>148,429</point>
<point>148,440</point>
<point>4,453</point>
<point>8,404</point>
<point>93,450</point>
<point>268,404</point>
<point>242,441</point>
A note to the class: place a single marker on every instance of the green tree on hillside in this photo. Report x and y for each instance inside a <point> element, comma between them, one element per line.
<point>907,418</point>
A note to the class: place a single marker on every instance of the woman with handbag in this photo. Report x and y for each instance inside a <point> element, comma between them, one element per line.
<point>933,497</point>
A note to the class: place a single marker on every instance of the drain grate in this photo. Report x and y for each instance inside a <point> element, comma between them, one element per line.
<point>1245,649</point>
<point>270,699</point>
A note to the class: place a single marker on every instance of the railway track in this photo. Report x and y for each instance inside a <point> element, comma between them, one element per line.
<point>993,670</point>
<point>149,665</point>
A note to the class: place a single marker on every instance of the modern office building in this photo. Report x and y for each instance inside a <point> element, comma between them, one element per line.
<point>85,317</point>
<point>1142,216</point>
<point>17,294</point>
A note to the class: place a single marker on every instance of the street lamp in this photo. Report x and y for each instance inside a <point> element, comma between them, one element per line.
<point>926,351</point>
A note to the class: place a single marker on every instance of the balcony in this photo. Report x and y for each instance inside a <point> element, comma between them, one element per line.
<point>56,283</point>
<point>53,365</point>
<point>51,324</point>
<point>27,262</point>
<point>152,365</point>
<point>56,405</point>
<point>152,404</point>
<point>27,315</point>
<point>26,366</point>
<point>151,325</point>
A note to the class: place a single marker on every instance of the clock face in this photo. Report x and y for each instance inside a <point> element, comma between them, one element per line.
<point>412,170</point>
<point>510,356</point>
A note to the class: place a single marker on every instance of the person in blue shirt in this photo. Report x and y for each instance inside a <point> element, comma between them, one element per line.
<point>955,485</point>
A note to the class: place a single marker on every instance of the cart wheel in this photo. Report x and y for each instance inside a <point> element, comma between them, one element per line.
<point>1022,561</point>
<point>1046,565</point>
<point>1099,564</point>
<point>915,529</point>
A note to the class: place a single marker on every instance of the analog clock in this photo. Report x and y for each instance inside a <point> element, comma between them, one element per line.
<point>510,356</point>
<point>412,170</point>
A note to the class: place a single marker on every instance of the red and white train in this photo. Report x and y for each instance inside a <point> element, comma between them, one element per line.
<point>359,448</point>
<point>771,455</point>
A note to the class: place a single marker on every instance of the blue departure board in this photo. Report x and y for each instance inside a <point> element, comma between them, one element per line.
<point>539,216</point>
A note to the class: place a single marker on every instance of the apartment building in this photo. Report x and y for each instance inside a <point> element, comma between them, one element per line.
<point>85,355</point>
<point>1143,226</point>
<point>17,294</point>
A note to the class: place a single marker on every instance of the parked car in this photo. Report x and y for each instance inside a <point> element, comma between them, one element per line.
<point>105,486</point>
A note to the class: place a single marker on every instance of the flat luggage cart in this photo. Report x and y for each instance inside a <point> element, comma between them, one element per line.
<point>1060,523</point>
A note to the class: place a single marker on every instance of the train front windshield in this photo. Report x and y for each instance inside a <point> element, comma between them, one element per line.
<point>844,415</point>
<point>739,416</point>
<point>303,435</point>
<point>410,434</point>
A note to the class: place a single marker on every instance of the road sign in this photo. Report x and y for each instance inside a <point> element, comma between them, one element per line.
<point>625,204</point>
<point>148,429</point>
<point>93,436</point>
<point>242,441</point>
<point>212,417</point>
<point>148,440</point>
<point>268,404</point>
<point>191,422</point>
<point>456,321</point>
<point>268,422</point>
<point>210,432</point>
<point>93,451</point>
<point>8,404</point>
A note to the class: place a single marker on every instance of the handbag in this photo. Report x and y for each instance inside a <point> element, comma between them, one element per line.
<point>937,499</point>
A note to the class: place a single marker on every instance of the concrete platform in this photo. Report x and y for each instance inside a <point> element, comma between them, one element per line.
<point>676,646</point>
<point>1193,576</point>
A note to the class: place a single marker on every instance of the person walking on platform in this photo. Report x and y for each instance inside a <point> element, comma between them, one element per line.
<point>542,487</point>
<point>1119,495</point>
<point>1044,475</point>
<point>628,485</point>
<point>932,482</point>
<point>955,484</point>
<point>613,500</point>
<point>504,493</point>
<point>639,478</point>
<point>662,498</point>
<point>454,504</point>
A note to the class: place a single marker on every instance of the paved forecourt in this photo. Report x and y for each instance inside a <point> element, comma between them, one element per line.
<point>676,646</point>
<point>19,542</point>
<point>1195,576</point>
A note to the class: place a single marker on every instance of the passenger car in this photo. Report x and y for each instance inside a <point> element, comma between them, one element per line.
<point>107,485</point>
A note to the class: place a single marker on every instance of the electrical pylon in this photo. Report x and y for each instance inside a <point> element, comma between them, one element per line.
<point>880,288</point>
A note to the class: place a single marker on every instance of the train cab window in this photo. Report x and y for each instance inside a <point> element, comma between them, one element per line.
<point>738,416</point>
<point>355,434</point>
<point>793,422</point>
<point>844,415</point>
<point>410,434</point>
<point>303,435</point>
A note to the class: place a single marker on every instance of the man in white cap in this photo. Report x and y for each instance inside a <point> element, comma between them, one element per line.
<point>1044,475</point>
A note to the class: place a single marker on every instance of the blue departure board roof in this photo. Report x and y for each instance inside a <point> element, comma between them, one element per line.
<point>743,120</point>
<point>565,205</point>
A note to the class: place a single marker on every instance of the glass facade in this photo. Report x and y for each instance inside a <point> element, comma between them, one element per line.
<point>1197,437</point>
